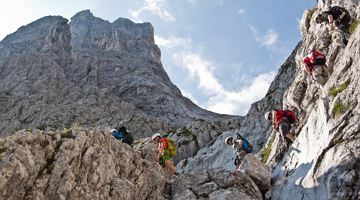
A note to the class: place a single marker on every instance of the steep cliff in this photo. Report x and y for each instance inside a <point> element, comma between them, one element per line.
<point>91,72</point>
<point>323,162</point>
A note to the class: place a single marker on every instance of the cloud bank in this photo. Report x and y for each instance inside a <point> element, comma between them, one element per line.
<point>156,7</point>
<point>201,71</point>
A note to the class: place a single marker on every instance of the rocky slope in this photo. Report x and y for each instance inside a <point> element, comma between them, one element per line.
<point>89,164</point>
<point>323,162</point>
<point>91,72</point>
<point>76,164</point>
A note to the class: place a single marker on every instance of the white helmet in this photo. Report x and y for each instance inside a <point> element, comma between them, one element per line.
<point>112,130</point>
<point>267,114</point>
<point>227,139</point>
<point>155,136</point>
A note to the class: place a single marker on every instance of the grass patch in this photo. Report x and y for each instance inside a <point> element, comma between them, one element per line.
<point>66,133</point>
<point>339,108</point>
<point>266,152</point>
<point>333,91</point>
<point>185,132</point>
<point>353,26</point>
<point>41,127</point>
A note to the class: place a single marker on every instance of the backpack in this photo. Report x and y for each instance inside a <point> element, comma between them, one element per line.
<point>171,147</point>
<point>317,58</point>
<point>127,137</point>
<point>246,146</point>
<point>290,115</point>
<point>118,135</point>
<point>341,14</point>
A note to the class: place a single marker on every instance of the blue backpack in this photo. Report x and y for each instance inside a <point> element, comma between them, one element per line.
<point>248,148</point>
<point>118,135</point>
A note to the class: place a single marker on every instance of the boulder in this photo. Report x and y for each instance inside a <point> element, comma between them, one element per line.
<point>257,171</point>
<point>214,184</point>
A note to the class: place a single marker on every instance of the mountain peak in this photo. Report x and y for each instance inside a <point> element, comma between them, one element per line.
<point>84,14</point>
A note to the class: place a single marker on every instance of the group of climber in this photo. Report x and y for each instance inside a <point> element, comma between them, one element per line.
<point>166,146</point>
<point>338,19</point>
<point>284,121</point>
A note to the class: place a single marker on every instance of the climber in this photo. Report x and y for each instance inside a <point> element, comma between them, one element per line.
<point>316,68</point>
<point>283,121</point>
<point>128,138</point>
<point>122,134</point>
<point>338,19</point>
<point>241,147</point>
<point>165,156</point>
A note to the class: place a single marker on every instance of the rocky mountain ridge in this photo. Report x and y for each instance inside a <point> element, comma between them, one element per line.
<point>90,72</point>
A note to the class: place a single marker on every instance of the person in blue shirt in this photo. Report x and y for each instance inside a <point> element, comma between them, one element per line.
<point>123,135</point>
<point>116,134</point>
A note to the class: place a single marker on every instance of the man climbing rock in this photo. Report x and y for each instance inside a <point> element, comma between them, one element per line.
<point>166,150</point>
<point>316,68</point>
<point>241,147</point>
<point>283,121</point>
<point>338,19</point>
<point>122,134</point>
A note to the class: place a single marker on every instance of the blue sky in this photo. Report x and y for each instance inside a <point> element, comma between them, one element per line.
<point>222,54</point>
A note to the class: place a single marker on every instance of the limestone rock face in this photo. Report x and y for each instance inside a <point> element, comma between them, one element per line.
<point>90,72</point>
<point>323,161</point>
<point>257,171</point>
<point>214,184</point>
<point>254,127</point>
<point>77,164</point>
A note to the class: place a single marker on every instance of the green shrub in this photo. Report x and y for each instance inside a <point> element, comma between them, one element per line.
<point>353,26</point>
<point>336,90</point>
<point>339,108</point>
<point>66,133</point>
<point>185,132</point>
<point>266,152</point>
<point>41,127</point>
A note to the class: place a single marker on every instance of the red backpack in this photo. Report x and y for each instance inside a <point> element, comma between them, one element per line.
<point>290,115</point>
<point>317,58</point>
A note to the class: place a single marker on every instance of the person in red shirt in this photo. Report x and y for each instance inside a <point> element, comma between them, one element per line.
<point>164,154</point>
<point>316,68</point>
<point>283,121</point>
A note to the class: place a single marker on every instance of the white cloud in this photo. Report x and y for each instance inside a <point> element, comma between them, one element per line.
<point>172,41</point>
<point>157,7</point>
<point>221,2</point>
<point>241,11</point>
<point>270,39</point>
<point>220,99</point>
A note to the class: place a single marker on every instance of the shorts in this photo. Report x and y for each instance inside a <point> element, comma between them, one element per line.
<point>166,155</point>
